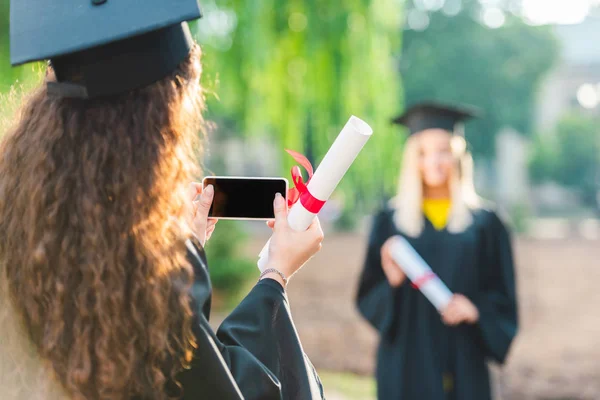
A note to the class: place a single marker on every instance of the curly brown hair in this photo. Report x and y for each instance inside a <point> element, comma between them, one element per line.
<point>93,223</point>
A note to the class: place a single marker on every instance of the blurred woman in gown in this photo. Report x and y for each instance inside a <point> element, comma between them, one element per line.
<point>424,355</point>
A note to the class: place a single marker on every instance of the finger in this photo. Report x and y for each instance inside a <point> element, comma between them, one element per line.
<point>271,224</point>
<point>315,224</point>
<point>385,255</point>
<point>209,232</point>
<point>387,265</point>
<point>450,320</point>
<point>446,319</point>
<point>205,202</point>
<point>457,317</point>
<point>211,228</point>
<point>316,230</point>
<point>211,223</point>
<point>391,265</point>
<point>280,209</point>
<point>389,260</point>
<point>319,247</point>
<point>450,312</point>
<point>194,189</point>
<point>394,263</point>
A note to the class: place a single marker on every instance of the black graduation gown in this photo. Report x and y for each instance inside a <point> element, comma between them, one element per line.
<point>416,349</point>
<point>256,353</point>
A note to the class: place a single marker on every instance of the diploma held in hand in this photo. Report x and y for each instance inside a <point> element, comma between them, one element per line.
<point>420,274</point>
<point>328,175</point>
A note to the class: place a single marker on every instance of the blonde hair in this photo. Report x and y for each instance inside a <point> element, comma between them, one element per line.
<point>408,202</point>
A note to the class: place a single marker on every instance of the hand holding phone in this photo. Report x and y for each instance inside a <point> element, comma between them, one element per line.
<point>244,198</point>
<point>202,226</point>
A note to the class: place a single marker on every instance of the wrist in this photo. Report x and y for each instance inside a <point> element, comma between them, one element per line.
<point>275,274</point>
<point>282,266</point>
<point>274,277</point>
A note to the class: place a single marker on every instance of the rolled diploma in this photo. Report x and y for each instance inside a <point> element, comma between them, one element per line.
<point>416,268</point>
<point>328,175</point>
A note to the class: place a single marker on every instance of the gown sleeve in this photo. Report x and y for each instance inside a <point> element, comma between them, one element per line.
<point>497,302</point>
<point>376,299</point>
<point>256,353</point>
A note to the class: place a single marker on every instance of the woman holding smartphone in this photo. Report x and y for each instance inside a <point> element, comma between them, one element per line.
<point>105,291</point>
<point>422,354</point>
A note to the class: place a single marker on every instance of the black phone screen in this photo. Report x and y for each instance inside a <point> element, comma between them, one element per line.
<point>250,198</point>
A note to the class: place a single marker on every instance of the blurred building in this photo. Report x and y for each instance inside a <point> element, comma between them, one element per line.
<point>575,81</point>
<point>573,84</point>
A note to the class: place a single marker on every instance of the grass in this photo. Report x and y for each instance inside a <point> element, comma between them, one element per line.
<point>348,386</point>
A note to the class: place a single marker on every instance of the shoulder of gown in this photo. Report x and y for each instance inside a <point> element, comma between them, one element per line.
<point>256,353</point>
<point>488,214</point>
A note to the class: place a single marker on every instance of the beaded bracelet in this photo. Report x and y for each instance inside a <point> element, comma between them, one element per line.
<point>276,271</point>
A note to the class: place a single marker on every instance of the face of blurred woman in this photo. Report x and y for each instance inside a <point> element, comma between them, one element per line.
<point>436,161</point>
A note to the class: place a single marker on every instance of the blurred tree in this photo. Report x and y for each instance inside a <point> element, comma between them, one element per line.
<point>293,71</point>
<point>452,54</point>
<point>572,158</point>
<point>8,75</point>
<point>229,270</point>
<point>12,80</point>
<point>542,165</point>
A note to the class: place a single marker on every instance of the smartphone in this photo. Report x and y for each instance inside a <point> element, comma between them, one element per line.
<point>244,198</point>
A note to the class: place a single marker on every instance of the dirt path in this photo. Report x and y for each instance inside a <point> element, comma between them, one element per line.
<point>556,355</point>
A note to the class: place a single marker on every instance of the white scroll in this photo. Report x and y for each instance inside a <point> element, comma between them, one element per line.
<point>420,274</point>
<point>328,175</point>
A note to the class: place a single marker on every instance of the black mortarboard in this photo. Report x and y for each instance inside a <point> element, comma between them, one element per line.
<point>102,47</point>
<point>431,115</point>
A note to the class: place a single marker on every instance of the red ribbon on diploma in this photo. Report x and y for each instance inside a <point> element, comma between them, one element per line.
<point>418,283</point>
<point>300,190</point>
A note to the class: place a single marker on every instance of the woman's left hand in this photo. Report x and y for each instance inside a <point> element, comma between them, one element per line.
<point>460,310</point>
<point>202,226</point>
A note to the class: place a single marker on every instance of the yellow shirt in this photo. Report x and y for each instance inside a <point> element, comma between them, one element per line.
<point>437,211</point>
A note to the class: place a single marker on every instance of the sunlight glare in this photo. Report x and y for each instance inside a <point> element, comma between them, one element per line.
<point>540,12</point>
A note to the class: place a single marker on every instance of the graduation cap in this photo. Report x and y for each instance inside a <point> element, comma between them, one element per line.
<point>432,115</point>
<point>102,47</point>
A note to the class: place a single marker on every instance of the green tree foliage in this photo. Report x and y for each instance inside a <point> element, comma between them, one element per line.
<point>294,71</point>
<point>7,75</point>
<point>229,271</point>
<point>459,59</point>
<point>572,158</point>
<point>542,165</point>
<point>13,81</point>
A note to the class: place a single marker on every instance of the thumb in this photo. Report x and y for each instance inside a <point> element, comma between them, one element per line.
<point>280,209</point>
<point>205,201</point>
